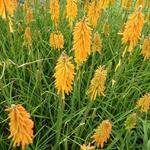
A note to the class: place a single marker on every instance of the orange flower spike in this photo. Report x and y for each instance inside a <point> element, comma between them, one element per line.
<point>7,6</point>
<point>81,41</point>
<point>102,133</point>
<point>54,11</point>
<point>29,16</point>
<point>21,126</point>
<point>57,40</point>
<point>144,103</point>
<point>97,85</point>
<point>88,147</point>
<point>64,75</point>
<point>146,48</point>
<point>133,29</point>
<point>94,13</point>
<point>71,10</point>
<point>97,43</point>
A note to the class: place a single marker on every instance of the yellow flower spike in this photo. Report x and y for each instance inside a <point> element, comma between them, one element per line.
<point>88,147</point>
<point>56,40</point>
<point>94,13</point>
<point>97,43</point>
<point>64,75</point>
<point>133,29</point>
<point>97,85</point>
<point>21,126</point>
<point>81,41</point>
<point>126,4</point>
<point>28,38</point>
<point>146,48</point>
<point>54,11</point>
<point>29,16</point>
<point>102,133</point>
<point>130,121</point>
<point>7,6</point>
<point>71,11</point>
<point>144,103</point>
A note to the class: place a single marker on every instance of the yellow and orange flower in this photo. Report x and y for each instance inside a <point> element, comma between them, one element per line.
<point>102,133</point>
<point>7,6</point>
<point>133,29</point>
<point>144,103</point>
<point>21,126</point>
<point>97,43</point>
<point>97,85</point>
<point>64,75</point>
<point>29,16</point>
<point>56,40</point>
<point>88,147</point>
<point>81,41</point>
<point>146,48</point>
<point>94,13</point>
<point>54,11</point>
<point>71,10</point>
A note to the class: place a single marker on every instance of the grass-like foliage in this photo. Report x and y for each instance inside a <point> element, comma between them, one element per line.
<point>75,74</point>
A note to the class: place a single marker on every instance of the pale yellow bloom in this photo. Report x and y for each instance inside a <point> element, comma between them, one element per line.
<point>97,85</point>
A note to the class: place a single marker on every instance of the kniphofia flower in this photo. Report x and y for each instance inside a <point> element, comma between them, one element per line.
<point>87,147</point>
<point>146,48</point>
<point>102,133</point>
<point>57,40</point>
<point>130,121</point>
<point>133,29</point>
<point>97,43</point>
<point>64,75</point>
<point>21,126</point>
<point>81,41</point>
<point>7,6</point>
<point>29,16</point>
<point>94,13</point>
<point>28,38</point>
<point>54,11</point>
<point>144,103</point>
<point>71,11</point>
<point>97,85</point>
